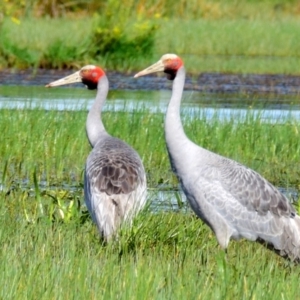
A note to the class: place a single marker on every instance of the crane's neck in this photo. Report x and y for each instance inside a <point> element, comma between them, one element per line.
<point>177,142</point>
<point>94,126</point>
<point>173,127</point>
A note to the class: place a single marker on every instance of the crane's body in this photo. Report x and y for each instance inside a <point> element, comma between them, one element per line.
<point>114,184</point>
<point>235,201</point>
<point>114,178</point>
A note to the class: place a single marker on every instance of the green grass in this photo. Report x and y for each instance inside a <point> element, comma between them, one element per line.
<point>53,144</point>
<point>164,256</point>
<point>43,154</point>
<point>50,249</point>
<point>34,43</point>
<point>234,45</point>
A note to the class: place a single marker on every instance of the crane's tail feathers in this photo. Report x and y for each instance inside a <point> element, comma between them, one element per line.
<point>290,239</point>
<point>111,212</point>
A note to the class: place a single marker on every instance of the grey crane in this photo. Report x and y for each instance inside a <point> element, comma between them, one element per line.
<point>114,177</point>
<point>233,200</point>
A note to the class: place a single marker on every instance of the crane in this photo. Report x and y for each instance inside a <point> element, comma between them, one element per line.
<point>233,200</point>
<point>114,178</point>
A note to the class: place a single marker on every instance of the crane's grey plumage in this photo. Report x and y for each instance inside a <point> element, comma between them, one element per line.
<point>114,178</point>
<point>235,201</point>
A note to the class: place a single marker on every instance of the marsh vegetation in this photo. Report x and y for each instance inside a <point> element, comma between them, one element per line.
<point>49,247</point>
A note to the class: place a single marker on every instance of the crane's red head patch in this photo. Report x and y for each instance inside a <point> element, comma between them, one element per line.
<point>172,64</point>
<point>91,75</point>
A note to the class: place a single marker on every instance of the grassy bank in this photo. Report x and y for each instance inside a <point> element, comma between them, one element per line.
<point>244,37</point>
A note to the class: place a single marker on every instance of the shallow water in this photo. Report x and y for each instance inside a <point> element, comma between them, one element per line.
<point>269,108</point>
<point>159,199</point>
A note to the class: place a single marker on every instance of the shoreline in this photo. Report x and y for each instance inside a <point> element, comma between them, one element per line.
<point>204,82</point>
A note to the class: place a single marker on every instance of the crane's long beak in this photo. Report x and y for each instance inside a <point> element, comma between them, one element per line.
<point>75,77</point>
<point>157,67</point>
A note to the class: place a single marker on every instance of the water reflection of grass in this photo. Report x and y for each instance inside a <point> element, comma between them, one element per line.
<point>50,248</point>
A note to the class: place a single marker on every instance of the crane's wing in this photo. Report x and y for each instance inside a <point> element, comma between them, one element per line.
<point>114,173</point>
<point>253,191</point>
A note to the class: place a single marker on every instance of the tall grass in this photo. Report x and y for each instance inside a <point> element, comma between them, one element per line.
<point>50,248</point>
<point>163,256</point>
<point>43,154</point>
<point>53,144</point>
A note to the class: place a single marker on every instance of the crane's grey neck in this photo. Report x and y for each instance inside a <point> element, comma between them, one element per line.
<point>178,144</point>
<point>94,126</point>
<point>173,126</point>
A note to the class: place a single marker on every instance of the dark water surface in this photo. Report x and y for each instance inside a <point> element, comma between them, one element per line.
<point>204,82</point>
